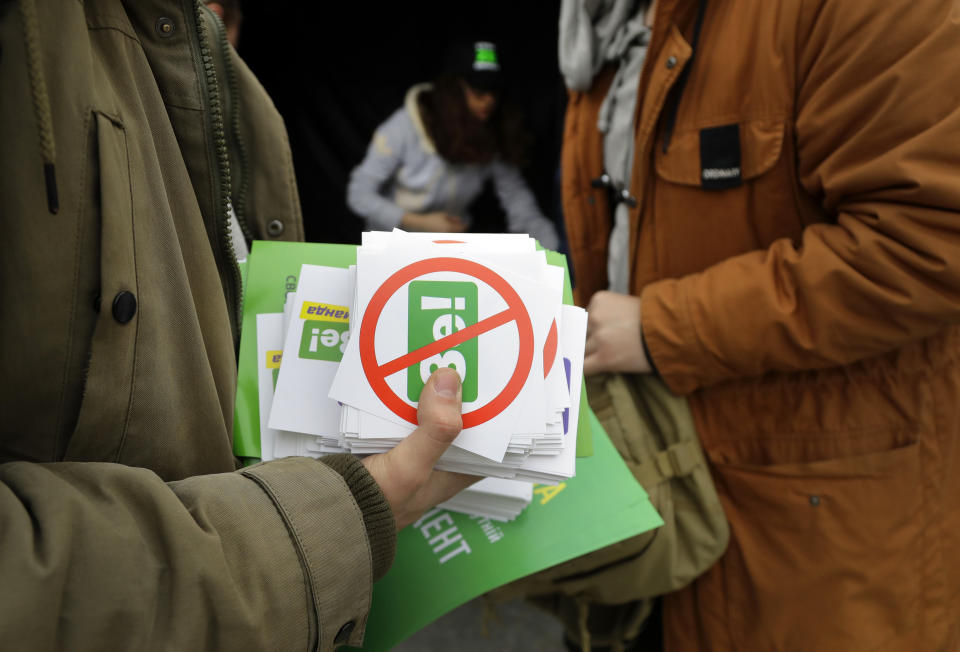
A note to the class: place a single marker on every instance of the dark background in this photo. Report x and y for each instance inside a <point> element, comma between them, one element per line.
<point>337,70</point>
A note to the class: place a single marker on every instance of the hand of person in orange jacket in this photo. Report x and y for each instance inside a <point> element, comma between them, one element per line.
<point>405,473</point>
<point>614,340</point>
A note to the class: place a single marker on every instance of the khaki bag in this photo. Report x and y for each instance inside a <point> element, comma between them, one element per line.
<point>605,596</point>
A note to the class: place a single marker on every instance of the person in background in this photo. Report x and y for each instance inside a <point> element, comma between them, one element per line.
<point>431,158</point>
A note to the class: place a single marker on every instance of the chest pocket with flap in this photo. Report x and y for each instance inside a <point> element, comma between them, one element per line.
<point>699,222</point>
<point>760,146</point>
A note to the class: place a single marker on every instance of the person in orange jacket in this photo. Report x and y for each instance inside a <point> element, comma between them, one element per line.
<point>791,263</point>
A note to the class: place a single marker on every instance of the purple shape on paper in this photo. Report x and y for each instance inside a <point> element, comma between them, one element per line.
<point>566,411</point>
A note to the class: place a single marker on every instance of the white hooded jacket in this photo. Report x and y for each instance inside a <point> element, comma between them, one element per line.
<point>403,173</point>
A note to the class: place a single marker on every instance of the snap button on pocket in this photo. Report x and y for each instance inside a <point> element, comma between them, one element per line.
<point>671,62</point>
<point>165,27</point>
<point>275,228</point>
<point>124,306</point>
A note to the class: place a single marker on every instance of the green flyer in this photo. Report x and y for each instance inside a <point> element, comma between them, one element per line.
<point>447,559</point>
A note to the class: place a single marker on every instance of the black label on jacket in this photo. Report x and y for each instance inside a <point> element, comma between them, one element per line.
<point>720,157</point>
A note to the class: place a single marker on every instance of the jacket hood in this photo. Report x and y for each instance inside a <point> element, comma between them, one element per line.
<point>413,110</point>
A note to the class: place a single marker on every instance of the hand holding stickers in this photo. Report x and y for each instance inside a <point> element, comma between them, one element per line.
<point>488,307</point>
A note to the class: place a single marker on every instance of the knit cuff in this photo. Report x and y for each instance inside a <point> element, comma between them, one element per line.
<point>377,515</point>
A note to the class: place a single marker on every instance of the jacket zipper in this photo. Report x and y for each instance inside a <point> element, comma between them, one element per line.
<point>641,153</point>
<point>239,175</point>
<point>221,171</point>
<point>633,232</point>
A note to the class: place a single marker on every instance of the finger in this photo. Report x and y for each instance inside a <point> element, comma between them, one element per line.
<point>597,300</point>
<point>439,424</point>
<point>592,328</point>
<point>591,345</point>
<point>594,321</point>
<point>602,307</point>
<point>591,365</point>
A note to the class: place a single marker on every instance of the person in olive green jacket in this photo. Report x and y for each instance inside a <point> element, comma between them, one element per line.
<point>128,132</point>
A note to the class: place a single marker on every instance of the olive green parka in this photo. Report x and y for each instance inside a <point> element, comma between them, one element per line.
<point>126,130</point>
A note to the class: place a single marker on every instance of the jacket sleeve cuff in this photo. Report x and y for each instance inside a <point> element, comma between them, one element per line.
<point>377,515</point>
<point>329,533</point>
<point>392,216</point>
<point>646,351</point>
<point>670,337</point>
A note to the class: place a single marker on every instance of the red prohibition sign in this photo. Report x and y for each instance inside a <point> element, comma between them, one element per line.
<point>377,373</point>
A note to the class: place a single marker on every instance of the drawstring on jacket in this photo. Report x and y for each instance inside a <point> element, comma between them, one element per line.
<point>673,103</point>
<point>41,101</point>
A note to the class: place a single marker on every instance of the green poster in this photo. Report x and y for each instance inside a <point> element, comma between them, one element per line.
<point>447,559</point>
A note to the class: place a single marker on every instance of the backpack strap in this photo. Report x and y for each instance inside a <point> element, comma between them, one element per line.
<point>633,408</point>
<point>679,460</point>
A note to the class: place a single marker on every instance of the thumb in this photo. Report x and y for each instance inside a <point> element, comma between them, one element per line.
<point>438,421</point>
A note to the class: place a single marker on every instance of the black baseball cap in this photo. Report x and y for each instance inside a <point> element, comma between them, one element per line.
<point>477,62</point>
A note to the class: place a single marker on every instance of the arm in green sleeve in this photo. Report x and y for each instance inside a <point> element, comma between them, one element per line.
<point>104,556</point>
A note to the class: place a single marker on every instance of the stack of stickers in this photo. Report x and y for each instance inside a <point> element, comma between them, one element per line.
<point>359,344</point>
<point>493,498</point>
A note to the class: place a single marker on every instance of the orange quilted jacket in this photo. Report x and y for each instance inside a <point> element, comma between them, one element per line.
<point>797,249</point>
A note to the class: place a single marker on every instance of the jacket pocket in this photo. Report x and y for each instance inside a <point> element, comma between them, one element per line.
<point>108,387</point>
<point>761,143</point>
<point>824,555</point>
<point>695,226</point>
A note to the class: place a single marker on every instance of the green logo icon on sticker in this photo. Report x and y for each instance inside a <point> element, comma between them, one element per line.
<point>324,340</point>
<point>437,309</point>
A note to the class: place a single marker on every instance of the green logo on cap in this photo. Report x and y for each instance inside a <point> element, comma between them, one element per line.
<point>485,56</point>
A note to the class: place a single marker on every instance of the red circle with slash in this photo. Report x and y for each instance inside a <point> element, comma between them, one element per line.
<point>377,373</point>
